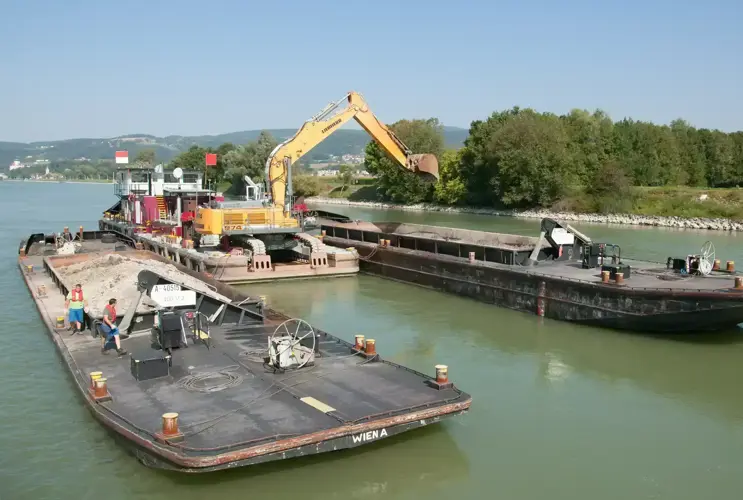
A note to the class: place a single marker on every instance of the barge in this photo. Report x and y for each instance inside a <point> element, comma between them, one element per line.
<point>562,274</point>
<point>236,241</point>
<point>214,378</point>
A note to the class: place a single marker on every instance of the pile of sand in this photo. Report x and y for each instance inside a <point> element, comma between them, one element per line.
<point>115,276</point>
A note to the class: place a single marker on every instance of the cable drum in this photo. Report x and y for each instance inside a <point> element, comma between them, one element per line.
<point>213,381</point>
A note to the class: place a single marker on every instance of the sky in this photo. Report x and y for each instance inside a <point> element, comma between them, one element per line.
<point>93,68</point>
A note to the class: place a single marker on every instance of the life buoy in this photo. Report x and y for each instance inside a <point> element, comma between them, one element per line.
<point>76,295</point>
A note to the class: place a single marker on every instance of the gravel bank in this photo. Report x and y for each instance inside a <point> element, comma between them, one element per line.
<point>115,276</point>
<point>626,219</point>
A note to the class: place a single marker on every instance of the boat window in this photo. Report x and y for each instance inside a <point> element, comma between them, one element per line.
<point>191,178</point>
<point>139,176</point>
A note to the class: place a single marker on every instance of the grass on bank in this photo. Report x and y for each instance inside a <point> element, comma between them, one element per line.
<point>683,202</point>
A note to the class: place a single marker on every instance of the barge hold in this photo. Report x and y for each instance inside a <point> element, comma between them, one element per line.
<point>214,379</point>
<point>562,274</point>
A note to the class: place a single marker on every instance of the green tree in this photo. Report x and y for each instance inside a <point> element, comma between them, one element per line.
<point>394,182</point>
<point>249,160</point>
<point>451,188</point>
<point>520,158</point>
<point>306,185</point>
<point>146,157</point>
<point>345,175</point>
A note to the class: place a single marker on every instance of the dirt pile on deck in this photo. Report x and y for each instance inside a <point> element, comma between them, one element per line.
<point>115,276</point>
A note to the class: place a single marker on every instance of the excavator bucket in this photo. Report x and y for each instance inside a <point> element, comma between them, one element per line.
<point>426,166</point>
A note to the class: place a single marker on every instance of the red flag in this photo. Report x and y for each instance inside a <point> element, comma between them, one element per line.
<point>122,156</point>
<point>211,159</point>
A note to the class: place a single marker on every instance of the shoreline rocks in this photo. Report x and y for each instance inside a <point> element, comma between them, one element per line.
<point>622,219</point>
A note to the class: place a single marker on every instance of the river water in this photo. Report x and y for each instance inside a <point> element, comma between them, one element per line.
<point>559,411</point>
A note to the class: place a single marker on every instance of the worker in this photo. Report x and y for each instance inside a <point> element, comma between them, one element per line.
<point>75,304</point>
<point>109,328</point>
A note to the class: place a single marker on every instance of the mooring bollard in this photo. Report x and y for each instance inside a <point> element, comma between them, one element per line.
<point>100,391</point>
<point>605,276</point>
<point>442,374</point>
<point>93,377</point>
<point>359,342</point>
<point>29,269</point>
<point>442,378</point>
<point>716,265</point>
<point>738,282</point>
<point>371,347</point>
<point>619,278</point>
<point>60,321</point>
<point>170,425</point>
<point>731,266</point>
<point>81,233</point>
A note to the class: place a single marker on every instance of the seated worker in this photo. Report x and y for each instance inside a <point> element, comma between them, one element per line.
<point>67,235</point>
<point>76,303</point>
<point>109,328</point>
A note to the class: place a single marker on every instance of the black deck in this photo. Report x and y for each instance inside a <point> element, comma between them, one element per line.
<point>233,410</point>
<point>256,405</point>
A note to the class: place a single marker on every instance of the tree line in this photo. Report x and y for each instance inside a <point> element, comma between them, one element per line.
<point>521,158</point>
<point>517,158</point>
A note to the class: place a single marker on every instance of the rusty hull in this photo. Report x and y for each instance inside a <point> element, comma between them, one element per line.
<point>648,301</point>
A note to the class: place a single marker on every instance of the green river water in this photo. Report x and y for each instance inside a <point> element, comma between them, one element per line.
<point>559,411</point>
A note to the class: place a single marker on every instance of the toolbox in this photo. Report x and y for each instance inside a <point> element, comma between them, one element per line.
<point>150,364</point>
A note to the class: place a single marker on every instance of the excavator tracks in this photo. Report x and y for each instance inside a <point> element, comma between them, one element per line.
<point>315,244</point>
<point>256,246</point>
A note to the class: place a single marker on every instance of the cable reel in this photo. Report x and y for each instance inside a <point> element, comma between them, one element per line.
<point>286,348</point>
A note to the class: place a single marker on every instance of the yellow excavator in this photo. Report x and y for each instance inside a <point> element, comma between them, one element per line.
<point>264,221</point>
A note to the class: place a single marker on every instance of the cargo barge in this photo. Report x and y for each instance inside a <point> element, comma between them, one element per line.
<point>214,378</point>
<point>562,274</point>
<point>238,241</point>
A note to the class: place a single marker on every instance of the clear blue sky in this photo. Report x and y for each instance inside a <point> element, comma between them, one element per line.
<point>84,68</point>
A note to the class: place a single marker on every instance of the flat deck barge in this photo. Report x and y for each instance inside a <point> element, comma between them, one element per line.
<point>236,268</point>
<point>562,274</point>
<point>218,401</point>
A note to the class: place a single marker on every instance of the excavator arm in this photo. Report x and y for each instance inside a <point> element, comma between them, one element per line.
<point>319,127</point>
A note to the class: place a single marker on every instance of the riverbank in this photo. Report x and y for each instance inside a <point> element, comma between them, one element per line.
<point>716,224</point>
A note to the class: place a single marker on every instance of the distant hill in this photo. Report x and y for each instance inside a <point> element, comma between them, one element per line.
<point>342,142</point>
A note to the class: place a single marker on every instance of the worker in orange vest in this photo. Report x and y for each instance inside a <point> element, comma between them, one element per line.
<point>76,304</point>
<point>110,330</point>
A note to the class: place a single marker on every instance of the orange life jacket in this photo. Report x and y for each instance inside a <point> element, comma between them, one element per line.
<point>77,295</point>
<point>111,310</point>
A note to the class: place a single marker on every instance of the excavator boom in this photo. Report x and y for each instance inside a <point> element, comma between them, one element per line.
<point>319,127</point>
